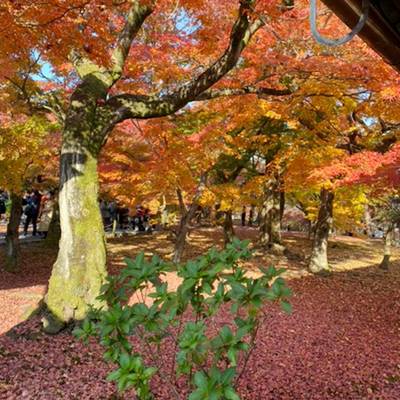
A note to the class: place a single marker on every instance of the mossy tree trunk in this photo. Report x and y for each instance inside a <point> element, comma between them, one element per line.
<point>229,232</point>
<point>80,268</point>
<point>183,228</point>
<point>319,254</point>
<point>12,236</point>
<point>387,250</point>
<point>54,232</point>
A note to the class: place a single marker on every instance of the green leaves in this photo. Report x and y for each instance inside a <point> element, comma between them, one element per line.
<point>209,361</point>
<point>193,347</point>
<point>217,384</point>
<point>133,373</point>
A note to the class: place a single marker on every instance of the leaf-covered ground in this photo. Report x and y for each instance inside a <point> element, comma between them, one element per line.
<point>341,342</point>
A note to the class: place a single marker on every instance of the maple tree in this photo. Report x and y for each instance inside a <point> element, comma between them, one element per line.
<point>136,60</point>
<point>95,107</point>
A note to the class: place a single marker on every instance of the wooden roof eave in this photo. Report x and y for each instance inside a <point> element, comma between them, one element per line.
<point>377,33</point>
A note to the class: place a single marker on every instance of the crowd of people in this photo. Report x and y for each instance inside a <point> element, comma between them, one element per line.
<point>37,211</point>
<point>123,218</point>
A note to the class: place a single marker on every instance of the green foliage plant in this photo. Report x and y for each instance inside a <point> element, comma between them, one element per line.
<point>210,359</point>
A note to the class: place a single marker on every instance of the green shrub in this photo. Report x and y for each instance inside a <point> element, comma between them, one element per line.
<point>211,362</point>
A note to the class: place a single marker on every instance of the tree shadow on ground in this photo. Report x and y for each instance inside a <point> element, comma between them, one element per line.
<point>21,292</point>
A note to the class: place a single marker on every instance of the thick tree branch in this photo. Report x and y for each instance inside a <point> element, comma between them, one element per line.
<point>242,31</point>
<point>134,21</point>
<point>88,69</point>
<point>260,92</point>
<point>134,106</point>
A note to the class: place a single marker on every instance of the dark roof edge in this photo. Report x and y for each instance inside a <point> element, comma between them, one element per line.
<point>377,33</point>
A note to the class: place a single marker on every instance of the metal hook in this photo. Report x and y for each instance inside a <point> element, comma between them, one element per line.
<point>337,42</point>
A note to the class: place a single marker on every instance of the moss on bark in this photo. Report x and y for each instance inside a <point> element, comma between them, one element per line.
<point>80,269</point>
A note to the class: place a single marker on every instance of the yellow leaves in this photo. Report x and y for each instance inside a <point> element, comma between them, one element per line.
<point>349,207</point>
<point>228,196</point>
<point>349,104</point>
<point>153,205</point>
<point>23,151</point>
<point>273,115</point>
<point>293,124</point>
<point>208,198</point>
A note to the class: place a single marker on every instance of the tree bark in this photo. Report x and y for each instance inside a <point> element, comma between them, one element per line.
<point>368,221</point>
<point>229,232</point>
<point>12,237</point>
<point>282,204</point>
<point>186,217</point>
<point>80,268</point>
<point>387,251</point>
<point>54,232</point>
<point>319,254</point>
<point>270,221</point>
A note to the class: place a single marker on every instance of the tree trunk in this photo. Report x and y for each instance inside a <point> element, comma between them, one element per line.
<point>54,232</point>
<point>186,217</point>
<point>310,229</point>
<point>270,221</point>
<point>229,232</point>
<point>80,268</point>
<point>181,236</point>
<point>387,252</point>
<point>282,203</point>
<point>12,237</point>
<point>319,254</point>
<point>368,221</point>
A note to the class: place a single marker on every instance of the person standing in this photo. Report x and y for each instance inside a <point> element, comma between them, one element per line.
<point>32,212</point>
<point>3,207</point>
<point>244,216</point>
<point>251,215</point>
<point>46,213</point>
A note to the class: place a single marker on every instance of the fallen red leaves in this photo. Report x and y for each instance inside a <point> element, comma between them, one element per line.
<point>341,342</point>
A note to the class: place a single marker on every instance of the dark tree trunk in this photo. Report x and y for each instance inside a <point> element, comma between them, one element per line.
<point>181,236</point>
<point>282,203</point>
<point>186,217</point>
<point>387,252</point>
<point>12,237</point>
<point>310,230</point>
<point>319,254</point>
<point>229,232</point>
<point>270,221</point>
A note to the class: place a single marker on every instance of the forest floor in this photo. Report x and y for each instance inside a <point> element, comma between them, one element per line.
<point>341,342</point>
